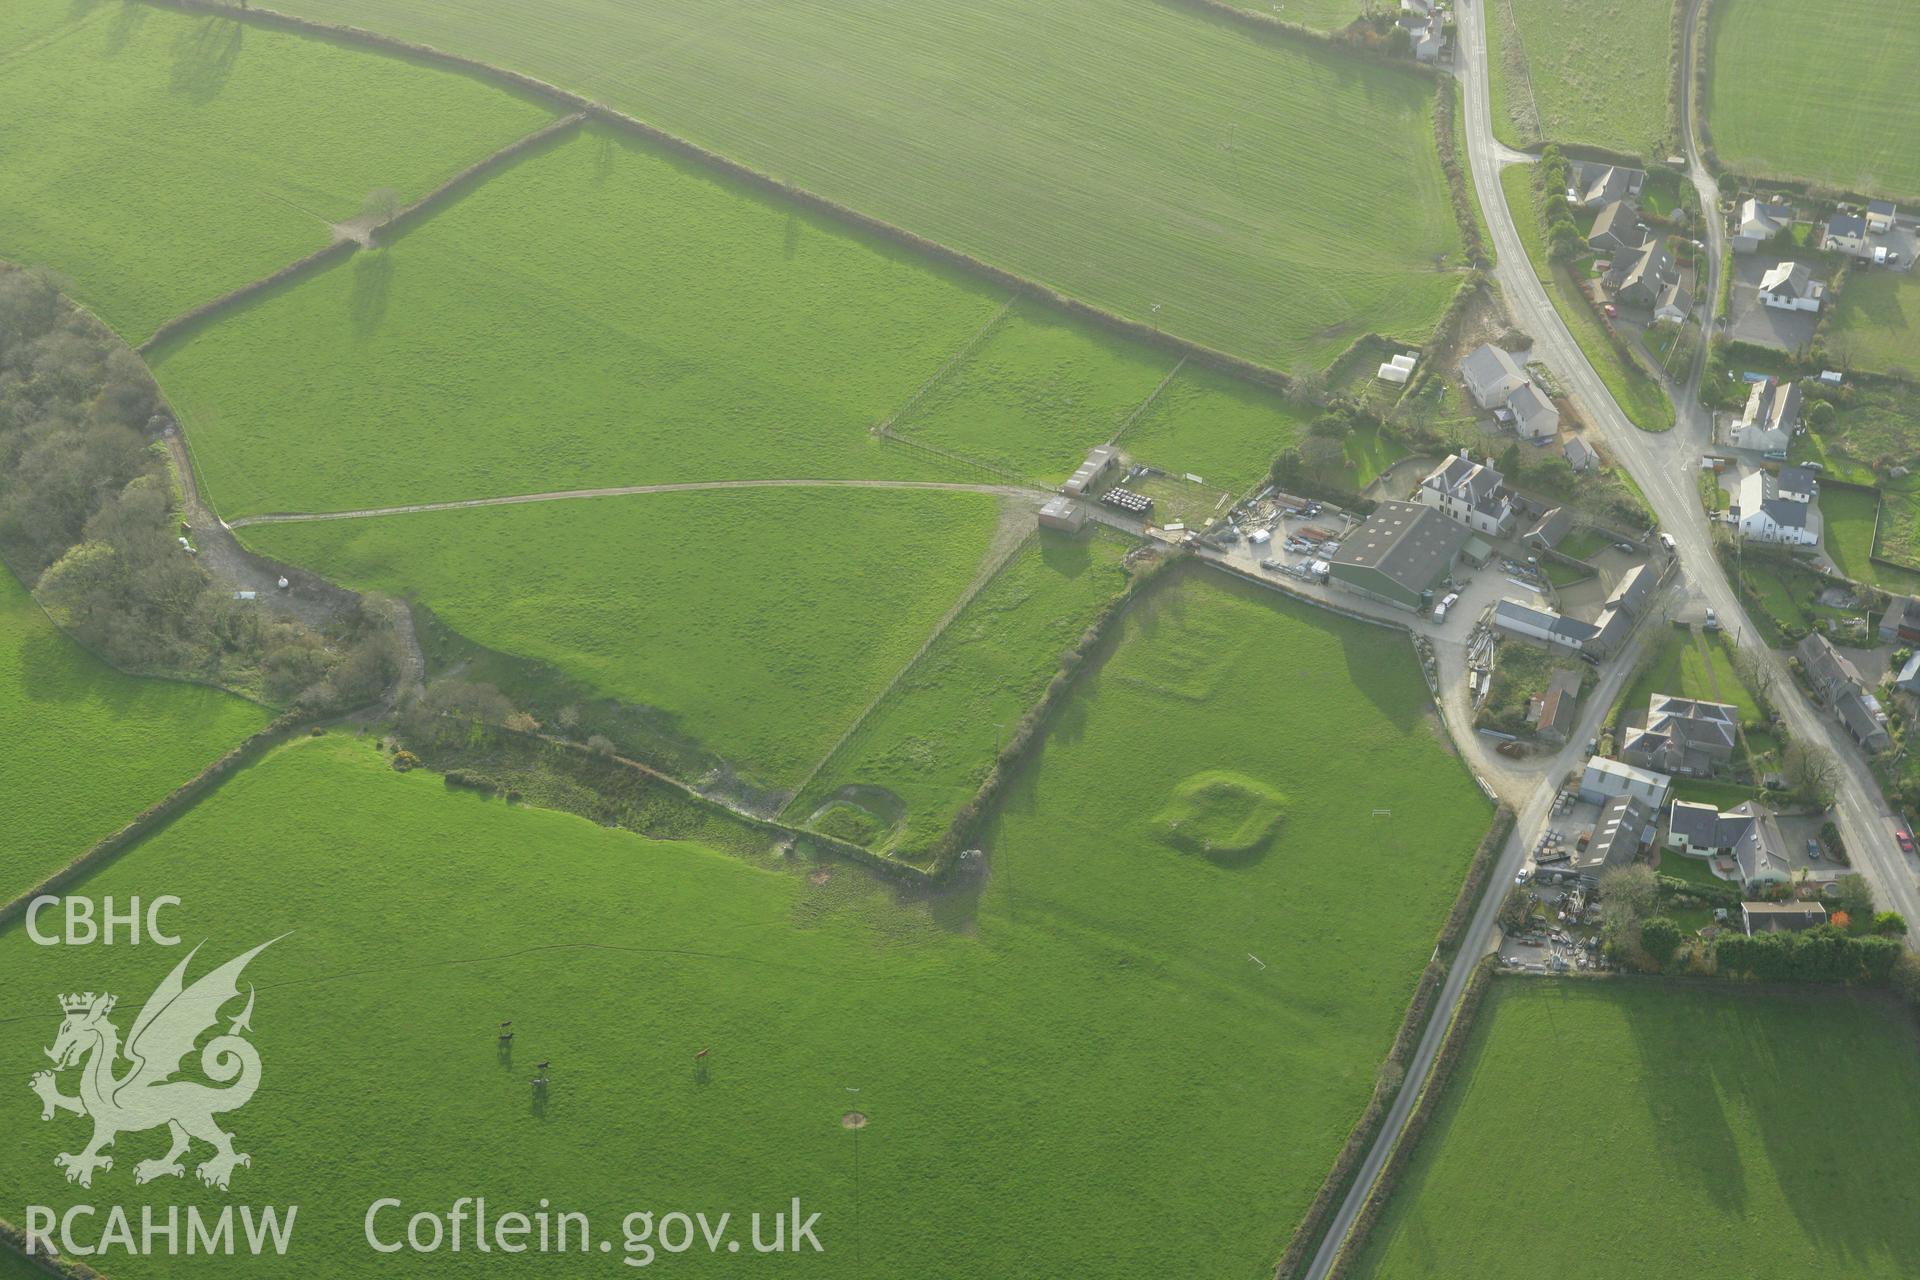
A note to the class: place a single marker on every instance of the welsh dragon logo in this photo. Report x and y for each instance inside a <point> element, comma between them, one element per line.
<point>146,1095</point>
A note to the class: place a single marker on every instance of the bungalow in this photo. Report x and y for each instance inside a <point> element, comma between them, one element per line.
<point>1880,216</point>
<point>1683,735</point>
<point>1549,529</point>
<point>1470,492</point>
<point>1759,223</point>
<point>1580,455</point>
<point>1618,229</point>
<point>1534,417</point>
<point>1491,375</point>
<point>1791,287</point>
<point>1638,278</point>
<point>1673,306</point>
<point>1763,514</point>
<point>1593,185</point>
<point>1781,917</point>
<point>1900,624</point>
<point>1772,415</point>
<point>1846,233</point>
<point>1604,779</point>
<point>1741,843</point>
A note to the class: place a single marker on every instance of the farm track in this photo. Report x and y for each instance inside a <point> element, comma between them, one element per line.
<point>618,491</point>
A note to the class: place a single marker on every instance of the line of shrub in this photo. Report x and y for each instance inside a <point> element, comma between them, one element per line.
<point>1444,1063</point>
<point>1677,73</point>
<point>14,1240</point>
<point>187,321</point>
<point>1476,882</point>
<point>159,814</point>
<point>1821,954</point>
<point>999,276</point>
<point>396,226</point>
<point>1703,89</point>
<point>1446,108</point>
<point>1358,38</point>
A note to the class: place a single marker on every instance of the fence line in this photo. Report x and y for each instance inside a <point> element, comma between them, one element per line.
<point>1140,409</point>
<point>950,455</point>
<point>953,362</point>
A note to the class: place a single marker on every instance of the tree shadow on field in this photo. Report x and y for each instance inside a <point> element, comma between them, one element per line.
<point>603,158</point>
<point>372,290</point>
<point>126,23</point>
<point>792,242</point>
<point>204,57</point>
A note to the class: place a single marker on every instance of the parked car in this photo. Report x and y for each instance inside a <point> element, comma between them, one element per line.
<point>1901,838</point>
<point>1624,546</point>
<point>1666,540</point>
<point>1813,849</point>
<point>1272,566</point>
<point>1713,620</point>
<point>1611,310</point>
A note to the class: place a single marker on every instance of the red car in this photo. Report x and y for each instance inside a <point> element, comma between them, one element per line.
<point>1611,310</point>
<point>1904,840</point>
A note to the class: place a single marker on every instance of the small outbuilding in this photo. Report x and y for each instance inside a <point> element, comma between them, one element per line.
<point>1063,514</point>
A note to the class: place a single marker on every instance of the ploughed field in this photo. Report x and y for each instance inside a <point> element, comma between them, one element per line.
<point>1257,193</point>
<point>1085,1036</point>
<point>87,748</point>
<point>1728,1133</point>
<point>160,158</point>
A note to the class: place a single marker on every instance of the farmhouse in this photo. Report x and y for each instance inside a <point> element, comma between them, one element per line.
<point>1580,455</point>
<point>1534,417</point>
<point>1837,682</point>
<point>1638,278</point>
<point>1424,32</point>
<point>1089,473</point>
<point>1063,514</point>
<point>1470,492</point>
<point>1900,624</point>
<point>1604,779</point>
<point>1772,414</point>
<point>1758,223</point>
<point>1531,622</point>
<point>1845,233</point>
<point>1743,842</point>
<point>1399,555</point>
<point>1781,917</point>
<point>1617,229</point>
<point>1791,287</point>
<point>1593,185</point>
<point>1683,735</point>
<point>1880,216</point>
<point>1491,375</point>
<point>1673,306</point>
<point>1764,514</point>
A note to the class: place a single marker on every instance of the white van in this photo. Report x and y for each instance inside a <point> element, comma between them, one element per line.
<point>1666,540</point>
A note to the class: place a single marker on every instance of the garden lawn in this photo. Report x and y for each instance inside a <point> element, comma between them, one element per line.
<point>1162,163</point>
<point>1847,538</point>
<point>1618,101</point>
<point>204,153</point>
<point>1639,396</point>
<point>1837,105</point>
<point>758,621</point>
<point>1037,394</point>
<point>1876,325</point>
<point>596,314</point>
<point>86,748</point>
<point>1729,1133</point>
<point>1024,1042</point>
<point>1223,430</point>
<point>1692,664</point>
<point>928,745</point>
<point>1780,602</point>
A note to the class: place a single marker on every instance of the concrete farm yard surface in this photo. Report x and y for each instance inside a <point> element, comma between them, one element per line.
<point>1000,1045</point>
<point>205,152</point>
<point>1728,1133</point>
<point>1135,154</point>
<point>87,748</point>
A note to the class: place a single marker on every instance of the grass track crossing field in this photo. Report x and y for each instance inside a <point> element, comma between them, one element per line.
<point>760,621</point>
<point>1599,71</point>
<point>1837,104</point>
<point>999,1042</point>
<point>160,159</point>
<point>1272,197</point>
<point>1728,1134</point>
<point>596,314</point>
<point>87,748</point>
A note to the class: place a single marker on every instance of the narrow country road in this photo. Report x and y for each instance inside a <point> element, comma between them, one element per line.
<point>565,495</point>
<point>1664,466</point>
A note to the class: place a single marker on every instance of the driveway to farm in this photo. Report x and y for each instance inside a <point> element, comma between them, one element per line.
<point>1663,465</point>
<point>564,495</point>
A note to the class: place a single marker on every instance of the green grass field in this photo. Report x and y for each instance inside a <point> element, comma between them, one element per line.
<point>1847,538</point>
<point>596,314</point>
<point>1224,430</point>
<point>1639,396</point>
<point>1837,105</point>
<point>778,614</point>
<point>86,747</point>
<point>1618,101</point>
<point>1727,1133</point>
<point>205,153</point>
<point>1876,325</point>
<point>1134,154</point>
<point>926,748</point>
<point>1691,664</point>
<point>998,1038</point>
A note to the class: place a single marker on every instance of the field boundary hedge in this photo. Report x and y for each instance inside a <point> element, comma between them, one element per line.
<point>187,321</point>
<point>162,812</point>
<point>1466,1013</point>
<point>1307,1237</point>
<point>952,362</point>
<point>1446,107</point>
<point>1272,28</point>
<point>398,225</point>
<point>14,1241</point>
<point>1146,334</point>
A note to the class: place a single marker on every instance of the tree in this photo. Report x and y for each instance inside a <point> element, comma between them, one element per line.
<point>1321,454</point>
<point>1627,894</point>
<point>1821,416</point>
<point>1810,771</point>
<point>381,203</point>
<point>1756,673</point>
<point>1890,922</point>
<point>1564,240</point>
<point>1660,938</point>
<point>1854,896</point>
<point>1515,909</point>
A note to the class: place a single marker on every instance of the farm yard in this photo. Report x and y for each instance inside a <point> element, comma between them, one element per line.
<point>208,152</point>
<point>1836,106</point>
<point>1569,72</point>
<point>66,716</point>
<point>784,976</point>
<point>778,615</point>
<point>1690,1124</point>
<point>1156,161</point>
